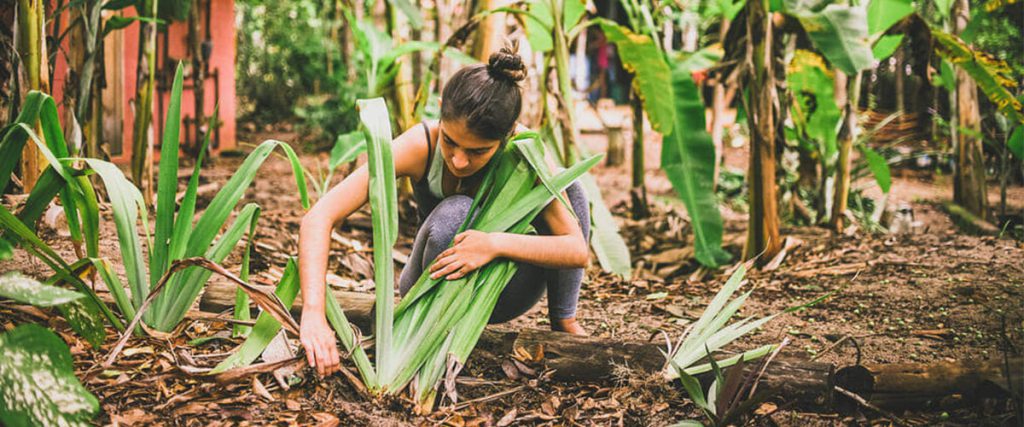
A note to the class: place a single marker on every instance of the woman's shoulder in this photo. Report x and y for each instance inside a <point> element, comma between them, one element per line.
<point>412,149</point>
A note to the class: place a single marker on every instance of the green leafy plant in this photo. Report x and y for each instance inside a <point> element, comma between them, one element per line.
<point>731,396</point>
<point>673,102</point>
<point>710,333</point>
<point>37,379</point>
<point>175,236</point>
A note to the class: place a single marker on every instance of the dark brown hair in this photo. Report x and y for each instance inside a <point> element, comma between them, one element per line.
<point>487,97</point>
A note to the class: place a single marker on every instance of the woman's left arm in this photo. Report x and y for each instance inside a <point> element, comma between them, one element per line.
<point>564,248</point>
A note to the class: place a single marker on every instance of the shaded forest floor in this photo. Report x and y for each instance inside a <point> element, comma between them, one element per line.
<point>932,296</point>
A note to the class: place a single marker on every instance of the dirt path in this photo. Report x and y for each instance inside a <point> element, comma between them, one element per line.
<point>933,296</point>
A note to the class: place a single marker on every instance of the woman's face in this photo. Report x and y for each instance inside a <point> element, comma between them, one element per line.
<point>464,153</point>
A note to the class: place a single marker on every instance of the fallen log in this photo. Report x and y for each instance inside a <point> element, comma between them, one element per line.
<point>220,296</point>
<point>578,358</point>
<point>938,384</point>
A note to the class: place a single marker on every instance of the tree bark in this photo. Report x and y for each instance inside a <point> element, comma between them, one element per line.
<point>910,385</point>
<point>969,187</point>
<point>763,237</point>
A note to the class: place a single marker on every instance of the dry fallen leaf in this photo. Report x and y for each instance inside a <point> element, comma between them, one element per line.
<point>324,419</point>
<point>508,418</point>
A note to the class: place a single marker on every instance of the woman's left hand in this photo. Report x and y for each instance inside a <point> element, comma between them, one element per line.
<point>471,250</point>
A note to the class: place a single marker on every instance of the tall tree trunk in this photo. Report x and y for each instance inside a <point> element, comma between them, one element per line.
<point>763,236</point>
<point>31,40</point>
<point>848,95</point>
<point>969,187</point>
<point>145,84</point>
<point>638,193</point>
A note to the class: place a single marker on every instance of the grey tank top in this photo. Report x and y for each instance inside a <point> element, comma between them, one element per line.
<point>427,191</point>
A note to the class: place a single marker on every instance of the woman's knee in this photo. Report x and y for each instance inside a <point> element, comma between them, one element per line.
<point>580,205</point>
<point>446,218</point>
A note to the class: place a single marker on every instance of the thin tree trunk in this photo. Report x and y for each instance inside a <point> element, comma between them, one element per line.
<point>491,33</point>
<point>199,79</point>
<point>31,40</point>
<point>719,105</point>
<point>565,90</point>
<point>763,238</point>
<point>841,190</point>
<point>900,87</point>
<point>969,187</point>
<point>142,141</point>
<point>638,193</point>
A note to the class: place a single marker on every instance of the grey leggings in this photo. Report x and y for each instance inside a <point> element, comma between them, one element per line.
<point>530,281</point>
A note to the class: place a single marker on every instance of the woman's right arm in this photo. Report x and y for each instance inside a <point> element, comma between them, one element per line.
<point>316,335</point>
<point>314,245</point>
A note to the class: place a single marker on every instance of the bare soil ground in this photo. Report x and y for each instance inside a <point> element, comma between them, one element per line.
<point>937,295</point>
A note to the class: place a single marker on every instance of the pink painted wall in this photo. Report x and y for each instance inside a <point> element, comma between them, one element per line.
<point>222,35</point>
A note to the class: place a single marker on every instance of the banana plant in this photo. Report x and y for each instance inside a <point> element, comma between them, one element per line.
<point>675,108</point>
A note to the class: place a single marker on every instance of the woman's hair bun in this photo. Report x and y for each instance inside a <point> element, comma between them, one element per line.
<point>507,64</point>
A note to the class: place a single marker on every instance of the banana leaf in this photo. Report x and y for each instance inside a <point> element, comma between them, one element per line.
<point>653,82</point>
<point>993,76</point>
<point>840,32</point>
<point>687,158</point>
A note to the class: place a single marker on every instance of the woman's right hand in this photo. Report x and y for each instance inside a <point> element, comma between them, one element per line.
<point>318,339</point>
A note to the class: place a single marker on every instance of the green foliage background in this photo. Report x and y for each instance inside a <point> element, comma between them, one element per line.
<point>282,63</point>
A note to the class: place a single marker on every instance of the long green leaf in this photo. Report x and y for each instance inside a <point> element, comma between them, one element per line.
<point>167,182</point>
<point>32,244</point>
<point>126,202</point>
<point>15,137</point>
<point>688,157</point>
<point>188,283</point>
<point>879,168</point>
<point>241,297</point>
<point>373,114</point>
<point>37,381</point>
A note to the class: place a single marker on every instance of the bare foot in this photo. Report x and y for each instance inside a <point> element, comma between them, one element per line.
<point>569,325</point>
